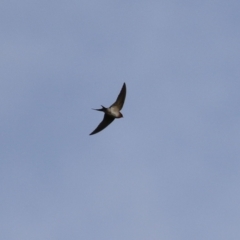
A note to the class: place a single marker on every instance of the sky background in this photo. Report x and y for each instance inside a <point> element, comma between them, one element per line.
<point>170,169</point>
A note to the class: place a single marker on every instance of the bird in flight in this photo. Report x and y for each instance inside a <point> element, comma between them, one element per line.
<point>112,112</point>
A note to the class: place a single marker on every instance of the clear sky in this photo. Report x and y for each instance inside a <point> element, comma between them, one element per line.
<point>170,169</point>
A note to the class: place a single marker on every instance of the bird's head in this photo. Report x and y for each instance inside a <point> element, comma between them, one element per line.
<point>120,115</point>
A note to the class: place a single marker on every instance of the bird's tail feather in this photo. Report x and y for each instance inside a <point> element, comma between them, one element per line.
<point>103,109</point>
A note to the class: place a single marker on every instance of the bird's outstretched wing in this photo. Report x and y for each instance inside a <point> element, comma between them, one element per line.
<point>121,97</point>
<point>103,124</point>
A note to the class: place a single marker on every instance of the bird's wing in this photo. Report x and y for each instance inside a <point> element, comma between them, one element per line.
<point>121,97</point>
<point>103,124</point>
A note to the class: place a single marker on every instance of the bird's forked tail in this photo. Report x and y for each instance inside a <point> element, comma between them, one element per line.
<point>103,109</point>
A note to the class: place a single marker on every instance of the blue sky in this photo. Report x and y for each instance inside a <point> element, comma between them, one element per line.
<point>169,169</point>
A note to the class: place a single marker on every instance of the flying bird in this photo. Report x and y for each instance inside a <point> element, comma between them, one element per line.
<point>112,112</point>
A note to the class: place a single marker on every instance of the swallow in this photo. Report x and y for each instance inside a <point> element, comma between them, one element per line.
<point>112,112</point>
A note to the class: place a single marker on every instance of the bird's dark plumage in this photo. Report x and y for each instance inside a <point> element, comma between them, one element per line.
<point>121,97</point>
<point>113,111</point>
<point>104,123</point>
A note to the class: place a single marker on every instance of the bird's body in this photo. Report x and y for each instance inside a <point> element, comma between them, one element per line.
<point>112,112</point>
